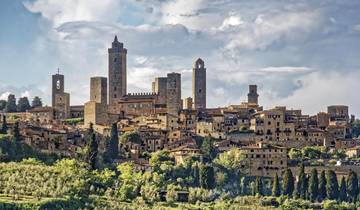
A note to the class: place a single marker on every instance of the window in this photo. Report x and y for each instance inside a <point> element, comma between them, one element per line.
<point>114,95</point>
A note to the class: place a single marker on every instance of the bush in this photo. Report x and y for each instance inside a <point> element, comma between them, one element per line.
<point>269,201</point>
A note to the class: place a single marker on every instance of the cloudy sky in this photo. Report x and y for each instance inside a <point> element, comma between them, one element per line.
<point>301,53</point>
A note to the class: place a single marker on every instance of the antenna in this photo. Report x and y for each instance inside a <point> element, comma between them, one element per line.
<point>58,70</point>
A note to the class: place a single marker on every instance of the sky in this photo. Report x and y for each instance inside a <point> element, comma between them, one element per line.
<point>303,54</point>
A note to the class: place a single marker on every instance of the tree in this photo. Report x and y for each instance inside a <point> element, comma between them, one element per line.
<point>92,151</point>
<point>288,183</point>
<point>207,177</point>
<point>11,104</point>
<point>301,186</point>
<point>91,129</point>
<point>259,188</point>
<point>342,192</point>
<point>208,149</point>
<point>294,153</point>
<point>196,174</point>
<point>4,125</point>
<point>313,185</point>
<point>332,186</point>
<point>276,187</point>
<point>130,137</point>
<point>36,102</point>
<point>16,132</point>
<point>112,146</point>
<point>322,186</point>
<point>2,105</point>
<point>23,104</point>
<point>352,186</point>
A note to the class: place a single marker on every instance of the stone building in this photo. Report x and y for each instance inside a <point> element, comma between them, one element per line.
<point>96,109</point>
<point>57,86</point>
<point>253,95</point>
<point>117,71</point>
<point>173,93</point>
<point>98,89</point>
<point>60,99</point>
<point>187,103</point>
<point>199,84</point>
<point>338,113</point>
<point>159,86</point>
<point>265,159</point>
<point>42,114</point>
<point>62,105</point>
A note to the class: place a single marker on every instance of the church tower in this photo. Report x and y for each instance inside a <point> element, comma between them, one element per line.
<point>117,71</point>
<point>57,86</point>
<point>199,85</point>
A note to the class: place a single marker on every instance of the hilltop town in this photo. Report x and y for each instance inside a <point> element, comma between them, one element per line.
<point>129,128</point>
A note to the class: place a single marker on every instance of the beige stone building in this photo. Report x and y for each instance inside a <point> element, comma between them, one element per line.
<point>265,160</point>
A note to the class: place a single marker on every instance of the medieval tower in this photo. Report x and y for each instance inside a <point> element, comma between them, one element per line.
<point>253,95</point>
<point>173,93</point>
<point>117,71</point>
<point>57,86</point>
<point>199,85</point>
<point>98,89</point>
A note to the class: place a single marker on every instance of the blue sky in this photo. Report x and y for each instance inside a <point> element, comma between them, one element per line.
<point>302,54</point>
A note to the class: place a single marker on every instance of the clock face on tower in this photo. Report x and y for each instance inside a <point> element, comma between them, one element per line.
<point>58,85</point>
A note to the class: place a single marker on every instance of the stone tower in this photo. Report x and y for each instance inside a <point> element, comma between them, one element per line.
<point>199,85</point>
<point>173,93</point>
<point>160,87</point>
<point>117,71</point>
<point>57,86</point>
<point>98,89</point>
<point>253,95</point>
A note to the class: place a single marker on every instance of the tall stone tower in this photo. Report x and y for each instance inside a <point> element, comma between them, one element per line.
<point>253,95</point>
<point>117,71</point>
<point>98,89</point>
<point>57,86</point>
<point>173,93</point>
<point>160,87</point>
<point>199,85</point>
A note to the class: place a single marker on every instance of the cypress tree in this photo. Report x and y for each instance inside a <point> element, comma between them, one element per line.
<point>196,175</point>
<point>288,183</point>
<point>208,149</point>
<point>4,125</point>
<point>332,185</point>
<point>92,152</point>
<point>16,132</point>
<point>301,187</point>
<point>313,185</point>
<point>352,186</point>
<point>276,187</point>
<point>11,104</point>
<point>91,129</point>
<point>259,186</point>
<point>207,177</point>
<point>322,186</point>
<point>342,193</point>
<point>112,146</point>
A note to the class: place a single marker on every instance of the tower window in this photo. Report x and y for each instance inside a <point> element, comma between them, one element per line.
<point>115,59</point>
<point>114,95</point>
<point>114,88</point>
<point>199,90</point>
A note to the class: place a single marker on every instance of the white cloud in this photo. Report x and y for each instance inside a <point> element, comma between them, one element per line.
<point>267,29</point>
<point>59,12</point>
<point>4,96</point>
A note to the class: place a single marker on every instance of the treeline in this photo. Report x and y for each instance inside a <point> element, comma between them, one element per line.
<point>313,187</point>
<point>23,104</point>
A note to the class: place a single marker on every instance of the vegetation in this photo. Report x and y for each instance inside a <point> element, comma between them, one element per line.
<point>36,102</point>
<point>23,104</point>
